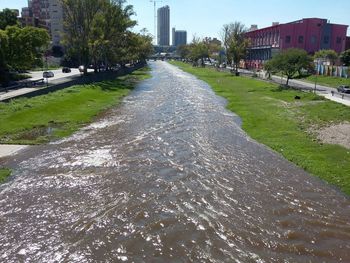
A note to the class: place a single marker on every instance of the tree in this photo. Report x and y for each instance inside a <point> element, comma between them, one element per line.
<point>57,51</point>
<point>139,47</point>
<point>183,51</point>
<point>345,57</point>
<point>98,31</point>
<point>198,51</point>
<point>327,55</point>
<point>21,48</point>
<point>8,18</point>
<point>25,46</point>
<point>235,43</point>
<point>270,67</point>
<point>214,47</point>
<point>225,37</point>
<point>3,64</point>
<point>80,17</point>
<point>289,62</point>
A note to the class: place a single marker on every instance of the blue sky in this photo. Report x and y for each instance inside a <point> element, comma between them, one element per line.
<point>206,17</point>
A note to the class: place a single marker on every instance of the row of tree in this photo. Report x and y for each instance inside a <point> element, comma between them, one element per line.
<point>199,50</point>
<point>235,49</point>
<point>332,56</point>
<point>98,32</point>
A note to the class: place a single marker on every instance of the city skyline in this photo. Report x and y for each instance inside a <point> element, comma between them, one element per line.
<point>205,18</point>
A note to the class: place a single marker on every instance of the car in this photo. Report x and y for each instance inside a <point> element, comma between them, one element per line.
<point>344,89</point>
<point>81,68</point>
<point>48,74</point>
<point>66,70</point>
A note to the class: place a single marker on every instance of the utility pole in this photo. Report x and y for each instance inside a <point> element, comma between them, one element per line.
<point>155,18</point>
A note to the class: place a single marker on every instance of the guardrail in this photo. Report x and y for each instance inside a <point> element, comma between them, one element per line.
<point>340,95</point>
<point>24,84</point>
<point>32,83</point>
<point>77,80</point>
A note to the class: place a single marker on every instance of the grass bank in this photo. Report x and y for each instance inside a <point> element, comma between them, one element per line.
<point>4,173</point>
<point>50,117</point>
<point>327,80</point>
<point>273,117</point>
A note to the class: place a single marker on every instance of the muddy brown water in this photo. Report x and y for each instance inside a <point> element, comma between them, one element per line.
<point>168,177</point>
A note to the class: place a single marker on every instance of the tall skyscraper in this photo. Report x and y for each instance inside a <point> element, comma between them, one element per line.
<point>179,37</point>
<point>173,37</point>
<point>163,34</point>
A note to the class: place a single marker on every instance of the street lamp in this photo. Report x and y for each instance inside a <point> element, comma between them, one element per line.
<point>315,83</point>
<point>155,18</point>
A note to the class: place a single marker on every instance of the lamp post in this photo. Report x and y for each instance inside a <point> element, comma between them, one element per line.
<point>155,19</point>
<point>47,68</point>
<point>315,83</point>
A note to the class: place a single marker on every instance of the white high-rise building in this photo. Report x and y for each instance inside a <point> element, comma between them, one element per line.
<point>163,34</point>
<point>46,14</point>
<point>56,21</point>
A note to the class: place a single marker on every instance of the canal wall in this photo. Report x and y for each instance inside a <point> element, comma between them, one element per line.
<point>79,80</point>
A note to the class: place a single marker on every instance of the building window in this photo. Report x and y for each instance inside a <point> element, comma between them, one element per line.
<point>301,39</point>
<point>288,39</point>
<point>313,40</point>
<point>338,40</point>
<point>326,40</point>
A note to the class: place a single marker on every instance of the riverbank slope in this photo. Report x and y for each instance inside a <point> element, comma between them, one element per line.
<point>58,114</point>
<point>274,117</point>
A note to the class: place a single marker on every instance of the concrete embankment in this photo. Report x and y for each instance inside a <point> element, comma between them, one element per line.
<point>75,80</point>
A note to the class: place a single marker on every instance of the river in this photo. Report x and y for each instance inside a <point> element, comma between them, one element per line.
<point>168,176</point>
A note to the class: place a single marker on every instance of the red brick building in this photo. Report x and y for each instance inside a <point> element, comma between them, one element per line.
<point>347,45</point>
<point>310,34</point>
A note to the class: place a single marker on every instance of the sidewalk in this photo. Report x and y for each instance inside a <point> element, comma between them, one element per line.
<point>22,91</point>
<point>63,81</point>
<point>321,90</point>
<point>336,99</point>
<point>17,92</point>
<point>8,149</point>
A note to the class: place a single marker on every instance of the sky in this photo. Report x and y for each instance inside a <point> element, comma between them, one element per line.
<point>205,18</point>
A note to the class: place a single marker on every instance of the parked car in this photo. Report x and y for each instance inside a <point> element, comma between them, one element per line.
<point>81,69</point>
<point>344,89</point>
<point>48,74</point>
<point>66,70</point>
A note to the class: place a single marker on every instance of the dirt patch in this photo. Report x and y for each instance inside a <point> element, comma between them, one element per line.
<point>336,134</point>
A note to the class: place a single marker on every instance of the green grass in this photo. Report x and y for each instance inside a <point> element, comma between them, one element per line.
<point>50,117</point>
<point>4,174</point>
<point>327,80</point>
<point>321,80</point>
<point>273,117</point>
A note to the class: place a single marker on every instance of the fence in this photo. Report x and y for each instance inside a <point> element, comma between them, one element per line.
<point>335,71</point>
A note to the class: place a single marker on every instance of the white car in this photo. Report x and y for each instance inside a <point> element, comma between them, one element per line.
<point>48,74</point>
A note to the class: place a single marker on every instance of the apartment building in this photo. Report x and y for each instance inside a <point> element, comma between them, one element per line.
<point>46,14</point>
<point>163,34</point>
<point>310,34</point>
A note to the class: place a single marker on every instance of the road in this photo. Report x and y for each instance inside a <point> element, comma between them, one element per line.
<point>58,75</point>
<point>169,176</point>
<point>58,78</point>
<point>325,91</point>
